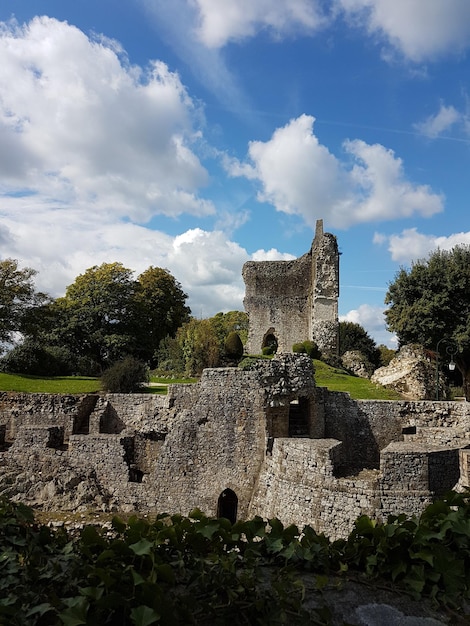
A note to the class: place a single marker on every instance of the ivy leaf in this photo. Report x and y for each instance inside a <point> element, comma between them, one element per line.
<point>142,547</point>
<point>75,614</point>
<point>144,616</point>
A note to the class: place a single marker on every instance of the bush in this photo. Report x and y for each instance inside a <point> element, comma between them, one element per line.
<point>267,350</point>
<point>31,357</point>
<point>233,346</point>
<point>125,376</point>
<point>307,347</point>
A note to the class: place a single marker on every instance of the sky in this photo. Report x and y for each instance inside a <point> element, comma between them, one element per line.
<point>196,135</point>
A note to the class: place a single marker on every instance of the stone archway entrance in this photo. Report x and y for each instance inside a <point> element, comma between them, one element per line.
<point>227,505</point>
<point>270,341</point>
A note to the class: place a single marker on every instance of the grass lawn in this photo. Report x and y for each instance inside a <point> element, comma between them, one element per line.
<point>325,376</point>
<point>55,384</point>
<point>359,388</point>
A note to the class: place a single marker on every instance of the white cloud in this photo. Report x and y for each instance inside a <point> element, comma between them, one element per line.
<point>411,245</point>
<point>83,127</point>
<point>233,20</point>
<point>271,255</point>
<point>298,175</point>
<point>440,122</point>
<point>420,30</point>
<point>62,244</point>
<point>372,319</point>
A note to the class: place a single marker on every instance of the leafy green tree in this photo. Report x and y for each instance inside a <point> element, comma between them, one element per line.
<point>233,346</point>
<point>161,309</point>
<point>18,299</point>
<point>353,336</point>
<point>199,345</point>
<point>431,302</point>
<point>98,314</point>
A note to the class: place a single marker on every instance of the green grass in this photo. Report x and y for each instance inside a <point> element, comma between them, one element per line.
<point>359,388</point>
<point>325,376</point>
<point>55,384</point>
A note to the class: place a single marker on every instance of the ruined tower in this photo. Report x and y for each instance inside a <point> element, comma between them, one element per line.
<point>292,301</point>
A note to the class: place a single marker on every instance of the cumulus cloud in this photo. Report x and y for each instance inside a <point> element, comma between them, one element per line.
<point>79,124</point>
<point>419,30</point>
<point>233,20</point>
<point>372,319</point>
<point>298,175</point>
<point>411,245</point>
<point>440,122</point>
<point>63,243</point>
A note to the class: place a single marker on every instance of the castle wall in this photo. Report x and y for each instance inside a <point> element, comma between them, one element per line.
<point>236,430</point>
<point>278,302</point>
<point>295,300</point>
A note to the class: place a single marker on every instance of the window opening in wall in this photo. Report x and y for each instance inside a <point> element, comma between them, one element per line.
<point>408,430</point>
<point>227,505</point>
<point>298,418</point>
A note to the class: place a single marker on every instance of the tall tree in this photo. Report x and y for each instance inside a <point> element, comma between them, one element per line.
<point>431,302</point>
<point>161,309</point>
<point>97,314</point>
<point>18,298</point>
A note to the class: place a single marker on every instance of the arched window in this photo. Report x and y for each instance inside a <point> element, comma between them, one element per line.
<point>227,505</point>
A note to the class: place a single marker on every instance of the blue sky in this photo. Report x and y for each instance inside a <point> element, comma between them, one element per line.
<point>198,134</point>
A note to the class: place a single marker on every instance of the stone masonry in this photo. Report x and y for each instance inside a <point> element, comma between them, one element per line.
<point>293,301</point>
<point>239,443</point>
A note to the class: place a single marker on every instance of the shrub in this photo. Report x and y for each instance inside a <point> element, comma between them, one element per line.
<point>31,357</point>
<point>233,346</point>
<point>125,376</point>
<point>267,350</point>
<point>307,347</point>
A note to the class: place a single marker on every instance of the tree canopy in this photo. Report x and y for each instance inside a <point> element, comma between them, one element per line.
<point>353,336</point>
<point>104,316</point>
<point>430,303</point>
<point>18,297</point>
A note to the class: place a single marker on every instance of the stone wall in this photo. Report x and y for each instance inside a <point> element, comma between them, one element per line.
<point>293,301</point>
<point>267,440</point>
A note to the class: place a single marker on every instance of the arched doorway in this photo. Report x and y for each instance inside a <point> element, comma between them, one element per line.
<point>270,341</point>
<point>227,505</point>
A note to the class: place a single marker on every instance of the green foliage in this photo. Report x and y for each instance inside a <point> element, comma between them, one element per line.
<point>33,357</point>
<point>125,376</point>
<point>307,347</point>
<point>353,336</point>
<point>199,345</point>
<point>226,323</point>
<point>161,310</point>
<point>268,350</point>
<point>431,301</point>
<point>18,298</point>
<point>386,354</point>
<point>233,345</point>
<point>200,570</point>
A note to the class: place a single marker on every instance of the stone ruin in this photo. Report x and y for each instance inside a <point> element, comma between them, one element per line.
<point>292,301</point>
<point>265,441</point>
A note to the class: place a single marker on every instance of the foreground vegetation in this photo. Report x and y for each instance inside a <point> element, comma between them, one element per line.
<point>198,570</point>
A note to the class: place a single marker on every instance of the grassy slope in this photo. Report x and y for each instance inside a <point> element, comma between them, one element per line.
<point>326,376</point>
<point>359,388</point>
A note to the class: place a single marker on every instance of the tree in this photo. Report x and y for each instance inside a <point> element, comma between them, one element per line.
<point>353,336</point>
<point>18,298</point>
<point>161,309</point>
<point>199,345</point>
<point>431,302</point>
<point>98,314</point>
